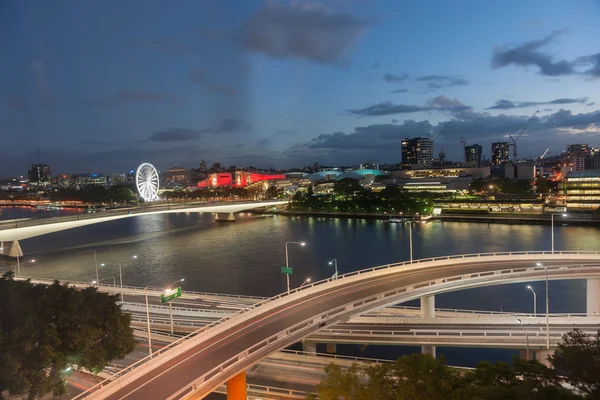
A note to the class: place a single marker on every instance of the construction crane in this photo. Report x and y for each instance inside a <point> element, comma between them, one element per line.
<point>440,132</point>
<point>514,140</point>
<point>544,155</point>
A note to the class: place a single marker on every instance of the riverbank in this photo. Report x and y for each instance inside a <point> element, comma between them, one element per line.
<point>496,218</point>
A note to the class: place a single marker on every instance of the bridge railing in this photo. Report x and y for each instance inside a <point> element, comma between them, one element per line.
<point>19,223</point>
<point>232,361</point>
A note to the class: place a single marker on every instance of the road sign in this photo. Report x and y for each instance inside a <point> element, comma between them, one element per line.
<point>170,294</point>
<point>286,270</point>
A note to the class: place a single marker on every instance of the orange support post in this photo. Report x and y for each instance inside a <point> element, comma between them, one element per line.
<point>236,387</point>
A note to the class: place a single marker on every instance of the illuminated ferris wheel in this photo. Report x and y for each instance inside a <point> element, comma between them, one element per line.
<point>146,180</point>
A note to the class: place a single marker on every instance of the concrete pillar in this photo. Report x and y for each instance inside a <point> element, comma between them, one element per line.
<point>428,350</point>
<point>309,347</point>
<point>236,387</point>
<point>428,311</point>
<point>331,348</point>
<point>593,296</point>
<point>224,217</point>
<point>542,357</point>
<point>11,249</point>
<point>524,354</point>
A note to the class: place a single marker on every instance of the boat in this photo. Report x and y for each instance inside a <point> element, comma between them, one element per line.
<point>395,220</point>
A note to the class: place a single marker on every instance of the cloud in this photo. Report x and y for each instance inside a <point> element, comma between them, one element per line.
<point>231,125</point>
<point>528,54</point>
<point>440,103</point>
<point>393,78</point>
<point>375,65</point>
<point>509,105</point>
<point>440,81</point>
<point>404,90</point>
<point>177,135</point>
<point>167,45</point>
<point>18,102</point>
<point>198,76</point>
<point>239,145</point>
<point>305,32</point>
<point>593,63</point>
<point>39,70</point>
<point>591,104</point>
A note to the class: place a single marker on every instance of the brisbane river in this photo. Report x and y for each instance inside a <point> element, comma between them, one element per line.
<point>246,258</point>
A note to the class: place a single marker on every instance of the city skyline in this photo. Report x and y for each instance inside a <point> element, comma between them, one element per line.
<point>101,87</point>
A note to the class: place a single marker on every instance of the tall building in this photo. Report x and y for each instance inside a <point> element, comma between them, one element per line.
<point>582,190</point>
<point>417,153</point>
<point>473,156</point>
<point>577,150</point>
<point>202,165</point>
<point>177,174</point>
<point>500,153</point>
<point>39,174</point>
<point>216,166</point>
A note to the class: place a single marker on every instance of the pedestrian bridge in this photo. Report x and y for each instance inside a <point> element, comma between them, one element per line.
<point>13,231</point>
<point>193,367</point>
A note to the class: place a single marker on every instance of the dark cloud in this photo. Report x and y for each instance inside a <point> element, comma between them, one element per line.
<point>281,32</point>
<point>239,145</point>
<point>198,76</point>
<point>440,81</point>
<point>403,90</point>
<point>393,78</point>
<point>166,45</point>
<point>593,63</point>
<point>99,102</point>
<point>177,135</point>
<point>18,102</point>
<point>528,54</point>
<point>97,143</point>
<point>591,104</point>
<point>509,105</point>
<point>440,103</point>
<point>231,125</point>
<point>375,65</point>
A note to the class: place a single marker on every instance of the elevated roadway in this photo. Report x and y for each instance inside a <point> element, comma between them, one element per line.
<point>194,367</point>
<point>20,230</point>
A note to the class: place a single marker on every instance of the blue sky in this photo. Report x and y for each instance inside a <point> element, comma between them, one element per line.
<point>100,86</point>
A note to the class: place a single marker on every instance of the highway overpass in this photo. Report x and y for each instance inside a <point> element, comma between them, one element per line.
<point>13,231</point>
<point>193,367</point>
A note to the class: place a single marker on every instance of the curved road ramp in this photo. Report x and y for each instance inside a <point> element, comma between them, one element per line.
<point>199,363</point>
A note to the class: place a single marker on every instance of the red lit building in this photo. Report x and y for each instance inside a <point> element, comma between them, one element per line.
<point>237,179</point>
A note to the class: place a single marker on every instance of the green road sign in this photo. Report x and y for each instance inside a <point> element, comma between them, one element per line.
<point>170,294</point>
<point>286,270</point>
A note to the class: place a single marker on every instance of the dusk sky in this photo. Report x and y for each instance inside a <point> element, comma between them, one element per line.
<point>101,86</point>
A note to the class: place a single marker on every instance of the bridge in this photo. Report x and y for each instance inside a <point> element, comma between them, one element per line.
<point>194,366</point>
<point>13,231</point>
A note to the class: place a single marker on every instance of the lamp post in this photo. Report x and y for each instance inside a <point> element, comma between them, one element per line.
<point>148,321</point>
<point>305,282</point>
<point>334,263</point>
<point>534,300</point>
<point>170,306</point>
<point>552,221</point>
<point>547,309</point>
<point>95,261</point>
<point>526,337</point>
<point>287,261</point>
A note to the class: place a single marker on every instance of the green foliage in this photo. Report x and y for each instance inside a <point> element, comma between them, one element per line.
<point>96,194</point>
<point>421,377</point>
<point>578,358</point>
<point>44,329</point>
<point>274,193</point>
<point>503,185</point>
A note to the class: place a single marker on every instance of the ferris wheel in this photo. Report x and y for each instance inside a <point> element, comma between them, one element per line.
<point>146,180</point>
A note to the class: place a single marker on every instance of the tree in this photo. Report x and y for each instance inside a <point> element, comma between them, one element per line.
<point>578,359</point>
<point>46,328</point>
<point>347,187</point>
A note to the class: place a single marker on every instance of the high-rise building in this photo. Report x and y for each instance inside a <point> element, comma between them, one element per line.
<point>216,166</point>
<point>578,155</point>
<point>202,165</point>
<point>473,156</point>
<point>39,174</point>
<point>500,153</point>
<point>417,152</point>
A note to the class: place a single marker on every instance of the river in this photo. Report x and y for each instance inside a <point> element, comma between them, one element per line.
<point>246,257</point>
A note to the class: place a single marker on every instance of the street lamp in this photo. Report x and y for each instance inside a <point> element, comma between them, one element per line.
<point>526,337</point>
<point>552,220</point>
<point>170,306</point>
<point>334,263</point>
<point>287,261</point>
<point>305,282</point>
<point>95,261</point>
<point>534,300</point>
<point>547,309</point>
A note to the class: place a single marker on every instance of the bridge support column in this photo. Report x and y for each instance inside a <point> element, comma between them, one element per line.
<point>525,354</point>
<point>542,357</point>
<point>11,249</point>
<point>593,296</point>
<point>309,347</point>
<point>224,217</point>
<point>236,387</point>
<point>428,311</point>
<point>331,348</point>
